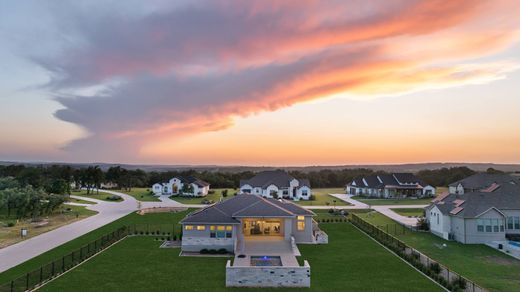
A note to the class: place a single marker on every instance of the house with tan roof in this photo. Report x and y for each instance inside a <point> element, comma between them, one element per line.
<point>277,184</point>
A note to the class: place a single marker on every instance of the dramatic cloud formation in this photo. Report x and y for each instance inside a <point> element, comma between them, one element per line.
<point>172,71</point>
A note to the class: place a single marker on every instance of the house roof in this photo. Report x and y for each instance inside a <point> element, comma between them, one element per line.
<point>279,178</point>
<point>192,180</point>
<point>401,180</point>
<point>480,181</point>
<point>245,205</point>
<point>473,204</point>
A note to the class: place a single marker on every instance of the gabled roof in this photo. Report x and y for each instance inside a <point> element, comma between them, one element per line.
<point>401,180</point>
<point>480,181</point>
<point>193,180</point>
<point>473,204</point>
<point>245,205</point>
<point>279,178</point>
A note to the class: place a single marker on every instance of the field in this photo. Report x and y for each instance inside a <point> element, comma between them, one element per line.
<point>63,216</point>
<point>350,262</point>
<point>323,198</point>
<point>480,263</point>
<point>101,196</point>
<point>133,218</point>
<point>409,212</point>
<point>408,201</point>
<point>215,197</point>
<point>141,194</point>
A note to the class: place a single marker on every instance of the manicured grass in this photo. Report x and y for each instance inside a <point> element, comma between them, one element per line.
<point>133,218</point>
<point>66,214</point>
<point>408,201</point>
<point>215,197</point>
<point>409,212</point>
<point>323,198</point>
<point>480,263</point>
<point>141,194</point>
<point>350,262</point>
<point>94,195</point>
<point>73,200</point>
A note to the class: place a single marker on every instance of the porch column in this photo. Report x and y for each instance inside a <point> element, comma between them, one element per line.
<point>287,228</point>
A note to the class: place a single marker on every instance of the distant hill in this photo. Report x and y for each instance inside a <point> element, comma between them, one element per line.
<point>410,167</point>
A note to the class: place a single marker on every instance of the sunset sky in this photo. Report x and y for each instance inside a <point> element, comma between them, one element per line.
<point>260,82</point>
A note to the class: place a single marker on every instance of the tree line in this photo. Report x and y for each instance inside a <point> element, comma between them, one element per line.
<point>60,179</point>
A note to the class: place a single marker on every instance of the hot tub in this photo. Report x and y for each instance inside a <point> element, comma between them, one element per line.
<point>266,261</point>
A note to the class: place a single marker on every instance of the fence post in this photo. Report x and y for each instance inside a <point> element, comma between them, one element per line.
<point>63,264</point>
<point>27,282</point>
<point>41,274</point>
<point>12,286</point>
<point>53,268</point>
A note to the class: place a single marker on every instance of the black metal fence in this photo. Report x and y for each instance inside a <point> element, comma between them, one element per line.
<point>51,270</point>
<point>440,273</point>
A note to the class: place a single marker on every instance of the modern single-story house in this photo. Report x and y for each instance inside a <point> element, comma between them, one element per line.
<point>482,216</point>
<point>276,184</point>
<point>396,185</point>
<point>187,186</point>
<point>481,181</point>
<point>232,223</point>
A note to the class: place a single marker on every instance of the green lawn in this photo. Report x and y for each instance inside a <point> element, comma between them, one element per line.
<point>408,201</point>
<point>324,198</point>
<point>215,197</point>
<point>350,262</point>
<point>101,196</point>
<point>409,212</point>
<point>141,194</point>
<point>480,263</point>
<point>133,218</point>
<point>72,200</point>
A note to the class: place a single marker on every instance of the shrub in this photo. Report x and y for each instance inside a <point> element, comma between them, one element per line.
<point>211,192</point>
<point>204,251</point>
<point>435,268</point>
<point>11,224</point>
<point>174,237</point>
<point>224,193</point>
<point>460,283</point>
<point>222,251</point>
<point>147,233</point>
<point>331,211</point>
<point>312,198</point>
<point>212,251</point>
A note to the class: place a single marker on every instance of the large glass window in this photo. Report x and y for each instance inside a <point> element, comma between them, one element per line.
<point>489,227</point>
<point>510,223</point>
<point>301,223</point>
<point>480,225</point>
<point>517,222</point>
<point>495,225</point>
<point>188,227</point>
<point>201,227</point>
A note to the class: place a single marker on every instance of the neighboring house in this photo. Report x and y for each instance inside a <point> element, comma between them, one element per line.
<point>231,224</point>
<point>187,186</point>
<point>396,185</point>
<point>276,184</point>
<point>477,216</point>
<point>480,181</point>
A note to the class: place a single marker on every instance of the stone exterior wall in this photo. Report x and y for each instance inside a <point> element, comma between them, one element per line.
<point>195,244</point>
<point>297,277</point>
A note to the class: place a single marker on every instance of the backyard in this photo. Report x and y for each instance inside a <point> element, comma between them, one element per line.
<point>215,196</point>
<point>480,263</point>
<point>407,201</point>
<point>409,212</point>
<point>60,217</point>
<point>348,262</point>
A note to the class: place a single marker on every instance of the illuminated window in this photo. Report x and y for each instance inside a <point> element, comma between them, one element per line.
<point>221,227</point>
<point>229,228</point>
<point>188,227</point>
<point>212,227</point>
<point>301,225</point>
<point>201,227</point>
<point>301,218</point>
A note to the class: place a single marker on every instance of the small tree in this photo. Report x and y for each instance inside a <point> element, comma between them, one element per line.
<point>224,193</point>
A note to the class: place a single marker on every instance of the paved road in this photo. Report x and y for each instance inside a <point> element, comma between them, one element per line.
<point>107,212</point>
<point>383,209</point>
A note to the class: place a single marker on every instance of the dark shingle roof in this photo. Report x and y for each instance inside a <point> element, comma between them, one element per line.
<point>263,179</point>
<point>193,180</point>
<point>245,205</point>
<point>507,196</point>
<point>385,180</point>
<point>483,180</point>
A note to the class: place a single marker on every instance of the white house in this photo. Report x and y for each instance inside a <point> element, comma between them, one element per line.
<point>186,186</point>
<point>276,184</point>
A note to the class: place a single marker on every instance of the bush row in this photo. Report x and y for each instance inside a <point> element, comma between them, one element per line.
<point>213,251</point>
<point>332,220</point>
